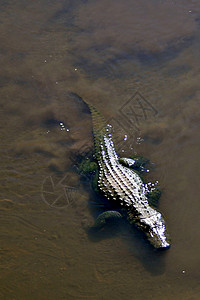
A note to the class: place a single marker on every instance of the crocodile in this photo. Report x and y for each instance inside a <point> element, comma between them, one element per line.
<point>119,182</point>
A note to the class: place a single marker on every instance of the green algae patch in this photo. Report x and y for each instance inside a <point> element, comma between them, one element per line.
<point>90,169</point>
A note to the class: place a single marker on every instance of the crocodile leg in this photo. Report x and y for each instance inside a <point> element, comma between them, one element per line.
<point>134,162</point>
<point>105,219</point>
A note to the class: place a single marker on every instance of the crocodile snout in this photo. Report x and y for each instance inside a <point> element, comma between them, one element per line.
<point>156,231</point>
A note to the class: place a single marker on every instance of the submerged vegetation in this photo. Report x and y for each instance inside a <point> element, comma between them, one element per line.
<point>89,169</point>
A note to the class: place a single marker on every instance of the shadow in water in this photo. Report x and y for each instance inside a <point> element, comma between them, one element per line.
<point>106,232</point>
<point>153,260</point>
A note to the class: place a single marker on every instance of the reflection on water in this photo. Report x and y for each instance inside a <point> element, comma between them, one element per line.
<point>138,63</point>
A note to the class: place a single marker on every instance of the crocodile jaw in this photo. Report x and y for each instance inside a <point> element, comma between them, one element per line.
<point>156,231</point>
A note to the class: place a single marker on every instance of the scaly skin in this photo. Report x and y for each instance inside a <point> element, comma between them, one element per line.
<point>120,183</point>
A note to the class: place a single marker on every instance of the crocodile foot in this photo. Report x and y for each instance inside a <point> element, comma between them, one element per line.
<point>136,162</point>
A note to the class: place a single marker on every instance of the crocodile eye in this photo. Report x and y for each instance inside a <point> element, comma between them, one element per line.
<point>146,227</point>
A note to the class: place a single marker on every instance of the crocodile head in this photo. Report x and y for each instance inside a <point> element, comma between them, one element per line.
<point>155,229</point>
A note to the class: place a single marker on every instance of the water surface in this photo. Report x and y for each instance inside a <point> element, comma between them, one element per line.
<point>138,63</point>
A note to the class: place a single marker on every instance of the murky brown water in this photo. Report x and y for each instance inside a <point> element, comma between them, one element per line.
<point>138,63</point>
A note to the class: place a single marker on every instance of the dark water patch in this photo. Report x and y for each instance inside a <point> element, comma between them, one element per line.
<point>64,142</point>
<point>4,80</point>
<point>178,70</point>
<point>51,122</point>
<point>197,20</point>
<point>21,82</point>
<point>173,49</point>
<point>152,139</point>
<point>45,117</point>
<point>65,15</point>
<point>55,168</point>
<point>98,63</point>
<point>4,3</point>
<point>109,69</point>
<point>44,152</point>
<point>18,56</point>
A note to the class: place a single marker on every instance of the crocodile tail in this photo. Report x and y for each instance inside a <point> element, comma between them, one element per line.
<point>100,128</point>
<point>98,121</point>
